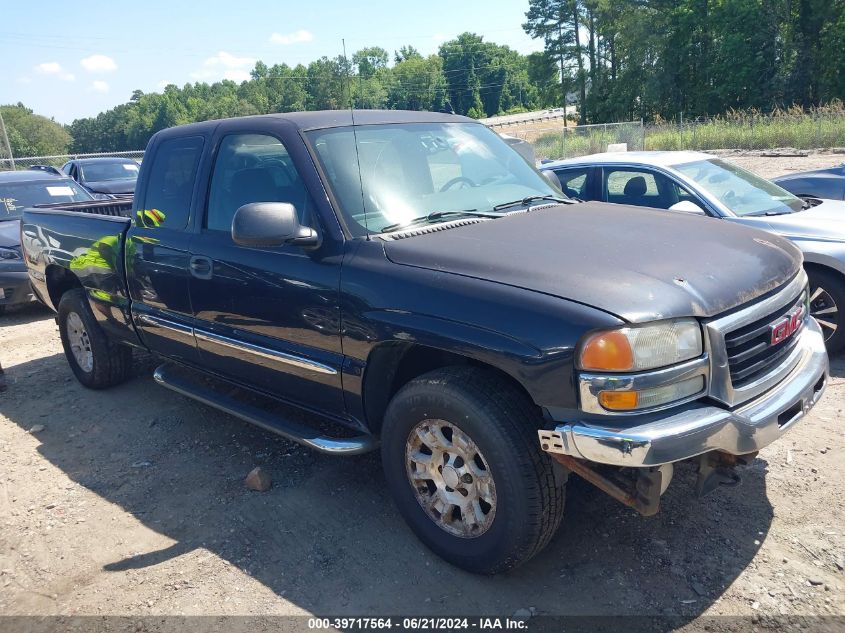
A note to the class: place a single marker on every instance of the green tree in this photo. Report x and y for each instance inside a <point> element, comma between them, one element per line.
<point>558,24</point>
<point>33,135</point>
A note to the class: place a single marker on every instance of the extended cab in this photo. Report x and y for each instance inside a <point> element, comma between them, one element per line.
<point>412,279</point>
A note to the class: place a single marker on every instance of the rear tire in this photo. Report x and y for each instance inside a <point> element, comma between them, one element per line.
<point>96,362</point>
<point>481,433</point>
<point>827,306</point>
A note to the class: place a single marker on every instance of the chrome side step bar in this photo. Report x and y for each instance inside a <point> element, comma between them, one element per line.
<point>174,379</point>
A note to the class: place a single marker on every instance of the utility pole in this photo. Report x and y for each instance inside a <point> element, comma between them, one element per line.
<point>6,141</point>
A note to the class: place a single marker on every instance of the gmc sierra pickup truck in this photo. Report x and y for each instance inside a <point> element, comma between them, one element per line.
<point>411,281</point>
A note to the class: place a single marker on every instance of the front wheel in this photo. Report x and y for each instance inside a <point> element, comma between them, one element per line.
<point>464,465</point>
<point>827,306</point>
<point>95,361</point>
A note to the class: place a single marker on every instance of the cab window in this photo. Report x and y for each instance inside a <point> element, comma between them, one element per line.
<point>171,182</point>
<point>253,168</point>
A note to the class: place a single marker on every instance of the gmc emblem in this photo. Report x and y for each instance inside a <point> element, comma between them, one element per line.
<point>787,326</point>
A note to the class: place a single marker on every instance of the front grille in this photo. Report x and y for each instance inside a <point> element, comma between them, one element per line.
<point>750,353</point>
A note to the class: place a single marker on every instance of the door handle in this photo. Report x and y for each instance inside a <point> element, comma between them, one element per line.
<point>201,267</point>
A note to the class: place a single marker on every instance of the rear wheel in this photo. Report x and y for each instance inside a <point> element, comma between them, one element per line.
<point>827,306</point>
<point>95,361</point>
<point>464,465</point>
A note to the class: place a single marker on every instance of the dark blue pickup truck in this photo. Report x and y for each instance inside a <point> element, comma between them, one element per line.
<point>412,282</point>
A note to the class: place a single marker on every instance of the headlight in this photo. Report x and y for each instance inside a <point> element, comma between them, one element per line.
<point>641,347</point>
<point>10,253</point>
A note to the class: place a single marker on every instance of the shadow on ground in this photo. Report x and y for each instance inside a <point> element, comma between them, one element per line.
<point>327,537</point>
<point>23,314</point>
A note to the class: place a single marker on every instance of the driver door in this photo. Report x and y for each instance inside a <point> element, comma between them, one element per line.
<point>265,317</point>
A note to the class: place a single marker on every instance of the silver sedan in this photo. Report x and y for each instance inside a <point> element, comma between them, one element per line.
<point>693,182</point>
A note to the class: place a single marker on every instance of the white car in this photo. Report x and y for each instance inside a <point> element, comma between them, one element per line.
<point>694,182</point>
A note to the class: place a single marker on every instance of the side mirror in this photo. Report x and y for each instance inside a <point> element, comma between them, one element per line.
<point>687,206</point>
<point>269,224</point>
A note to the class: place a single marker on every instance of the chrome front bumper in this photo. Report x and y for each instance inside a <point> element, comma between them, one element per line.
<point>699,429</point>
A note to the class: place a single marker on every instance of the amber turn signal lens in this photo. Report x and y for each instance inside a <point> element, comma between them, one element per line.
<point>619,400</point>
<point>608,351</point>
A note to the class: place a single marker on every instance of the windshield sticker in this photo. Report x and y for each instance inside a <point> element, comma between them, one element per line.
<point>60,191</point>
<point>9,204</point>
<point>131,167</point>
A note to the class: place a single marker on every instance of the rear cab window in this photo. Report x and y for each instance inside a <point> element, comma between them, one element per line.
<point>170,184</point>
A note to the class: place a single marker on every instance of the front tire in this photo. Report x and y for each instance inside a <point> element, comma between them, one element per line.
<point>95,361</point>
<point>464,465</point>
<point>827,306</point>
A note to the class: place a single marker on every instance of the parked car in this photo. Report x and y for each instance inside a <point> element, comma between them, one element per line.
<point>820,183</point>
<point>699,183</point>
<point>109,176</point>
<point>412,278</point>
<point>19,189</point>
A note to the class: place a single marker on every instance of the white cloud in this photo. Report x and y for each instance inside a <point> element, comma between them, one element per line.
<point>225,66</point>
<point>54,69</point>
<point>98,64</point>
<point>24,80</point>
<point>100,86</point>
<point>297,37</point>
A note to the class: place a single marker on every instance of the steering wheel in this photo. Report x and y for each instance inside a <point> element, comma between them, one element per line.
<point>456,181</point>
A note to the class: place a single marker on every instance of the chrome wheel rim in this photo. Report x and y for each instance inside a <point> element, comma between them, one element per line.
<point>451,478</point>
<point>825,311</point>
<point>80,344</point>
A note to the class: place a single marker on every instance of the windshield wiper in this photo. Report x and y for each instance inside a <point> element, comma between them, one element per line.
<point>524,202</point>
<point>437,215</point>
<point>765,213</point>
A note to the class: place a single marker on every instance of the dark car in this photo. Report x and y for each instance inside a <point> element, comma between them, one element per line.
<point>20,189</point>
<point>109,176</point>
<point>827,183</point>
<point>412,278</point>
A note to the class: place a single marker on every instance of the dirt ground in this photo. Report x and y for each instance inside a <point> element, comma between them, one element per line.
<point>131,502</point>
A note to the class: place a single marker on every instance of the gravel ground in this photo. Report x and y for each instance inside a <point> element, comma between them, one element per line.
<point>789,162</point>
<point>131,502</point>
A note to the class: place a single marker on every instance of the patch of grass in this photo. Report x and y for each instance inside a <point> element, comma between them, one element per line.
<point>819,128</point>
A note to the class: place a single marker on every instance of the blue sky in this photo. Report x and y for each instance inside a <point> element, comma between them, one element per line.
<point>74,59</point>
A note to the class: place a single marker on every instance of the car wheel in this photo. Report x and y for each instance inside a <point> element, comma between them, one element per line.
<point>95,361</point>
<point>827,303</point>
<point>464,465</point>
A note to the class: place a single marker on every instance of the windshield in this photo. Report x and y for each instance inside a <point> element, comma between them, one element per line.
<point>739,190</point>
<point>16,196</point>
<point>99,172</point>
<point>410,170</point>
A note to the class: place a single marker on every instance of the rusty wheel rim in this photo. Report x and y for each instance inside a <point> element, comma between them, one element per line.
<point>451,479</point>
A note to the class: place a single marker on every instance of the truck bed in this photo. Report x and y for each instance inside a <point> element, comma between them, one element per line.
<point>81,244</point>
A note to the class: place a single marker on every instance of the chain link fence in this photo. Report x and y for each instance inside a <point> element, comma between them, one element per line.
<point>57,161</point>
<point>554,143</point>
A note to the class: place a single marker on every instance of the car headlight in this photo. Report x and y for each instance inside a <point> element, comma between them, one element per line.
<point>641,347</point>
<point>10,253</point>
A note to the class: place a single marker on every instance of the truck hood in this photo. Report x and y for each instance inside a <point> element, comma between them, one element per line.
<point>10,233</point>
<point>112,186</point>
<point>825,222</point>
<point>638,264</point>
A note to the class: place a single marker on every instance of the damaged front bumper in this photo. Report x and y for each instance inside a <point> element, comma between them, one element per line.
<point>701,428</point>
